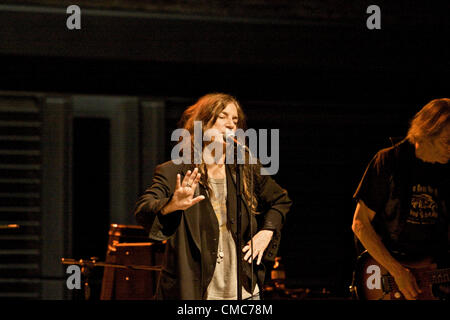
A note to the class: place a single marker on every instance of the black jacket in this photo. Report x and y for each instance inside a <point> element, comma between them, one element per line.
<point>192,235</point>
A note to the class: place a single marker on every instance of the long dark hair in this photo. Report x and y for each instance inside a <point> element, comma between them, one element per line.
<point>207,109</point>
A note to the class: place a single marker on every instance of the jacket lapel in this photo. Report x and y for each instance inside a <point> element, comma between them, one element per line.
<point>200,218</point>
<point>231,200</point>
<point>232,203</point>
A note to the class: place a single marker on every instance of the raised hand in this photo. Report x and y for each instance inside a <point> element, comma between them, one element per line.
<point>183,197</point>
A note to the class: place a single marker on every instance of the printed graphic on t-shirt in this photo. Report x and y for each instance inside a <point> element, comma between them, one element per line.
<point>424,209</point>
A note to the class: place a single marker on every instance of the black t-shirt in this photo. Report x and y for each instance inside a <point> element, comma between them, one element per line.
<point>424,229</point>
<point>421,233</point>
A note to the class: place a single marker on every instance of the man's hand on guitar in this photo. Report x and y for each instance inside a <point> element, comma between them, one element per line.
<point>407,284</point>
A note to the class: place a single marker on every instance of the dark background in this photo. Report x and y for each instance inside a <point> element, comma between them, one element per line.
<point>335,90</point>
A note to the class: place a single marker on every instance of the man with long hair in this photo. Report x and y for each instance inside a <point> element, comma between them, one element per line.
<point>193,206</point>
<point>402,200</point>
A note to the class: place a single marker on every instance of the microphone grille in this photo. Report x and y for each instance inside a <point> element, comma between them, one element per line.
<point>229,134</point>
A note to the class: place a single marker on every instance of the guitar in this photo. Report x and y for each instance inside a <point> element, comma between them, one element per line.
<point>371,281</point>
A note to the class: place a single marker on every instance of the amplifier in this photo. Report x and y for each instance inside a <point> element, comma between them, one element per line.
<point>128,284</point>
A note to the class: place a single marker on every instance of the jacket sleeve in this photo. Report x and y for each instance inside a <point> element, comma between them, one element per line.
<point>148,207</point>
<point>275,204</point>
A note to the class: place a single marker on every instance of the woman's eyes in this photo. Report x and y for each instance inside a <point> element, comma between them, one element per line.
<point>235,121</point>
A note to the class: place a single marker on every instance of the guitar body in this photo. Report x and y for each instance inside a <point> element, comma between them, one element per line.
<point>371,281</point>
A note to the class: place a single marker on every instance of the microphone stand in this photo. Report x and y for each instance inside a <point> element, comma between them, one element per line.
<point>239,227</point>
<point>239,198</point>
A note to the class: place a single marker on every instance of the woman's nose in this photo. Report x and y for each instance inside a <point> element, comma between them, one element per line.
<point>230,124</point>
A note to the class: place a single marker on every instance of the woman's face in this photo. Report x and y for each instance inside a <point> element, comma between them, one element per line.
<point>227,119</point>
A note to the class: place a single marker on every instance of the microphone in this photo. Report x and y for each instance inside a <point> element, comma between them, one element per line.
<point>229,136</point>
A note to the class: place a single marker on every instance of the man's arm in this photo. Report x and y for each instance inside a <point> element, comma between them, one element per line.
<point>362,227</point>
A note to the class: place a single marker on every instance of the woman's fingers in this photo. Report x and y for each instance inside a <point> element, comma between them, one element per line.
<point>190,178</point>
<point>249,257</point>
<point>186,179</point>
<point>185,189</point>
<point>260,255</point>
<point>178,184</point>
<point>197,200</point>
<point>246,249</point>
<point>196,180</point>
<point>260,242</point>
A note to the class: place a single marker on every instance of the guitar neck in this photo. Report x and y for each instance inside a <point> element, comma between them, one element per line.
<point>438,276</point>
<point>430,277</point>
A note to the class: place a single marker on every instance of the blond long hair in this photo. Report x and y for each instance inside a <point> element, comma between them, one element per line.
<point>207,109</point>
<point>430,120</point>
